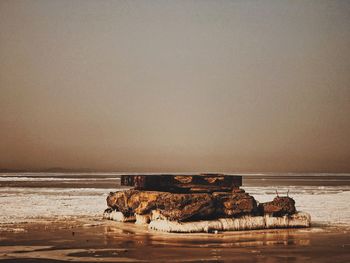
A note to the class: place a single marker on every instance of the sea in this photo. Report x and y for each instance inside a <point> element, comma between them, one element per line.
<point>27,197</point>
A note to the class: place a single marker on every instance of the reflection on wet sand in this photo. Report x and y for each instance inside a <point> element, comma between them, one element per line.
<point>214,242</point>
<point>107,241</point>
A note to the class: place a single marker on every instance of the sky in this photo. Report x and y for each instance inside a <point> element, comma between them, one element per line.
<point>175,86</point>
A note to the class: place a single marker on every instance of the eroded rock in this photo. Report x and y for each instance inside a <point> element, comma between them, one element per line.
<point>279,206</point>
<point>235,204</point>
<point>173,206</point>
<point>183,207</point>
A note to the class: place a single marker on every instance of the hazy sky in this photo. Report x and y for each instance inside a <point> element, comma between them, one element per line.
<point>175,85</point>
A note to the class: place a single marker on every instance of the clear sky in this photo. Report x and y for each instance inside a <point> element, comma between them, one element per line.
<point>175,85</point>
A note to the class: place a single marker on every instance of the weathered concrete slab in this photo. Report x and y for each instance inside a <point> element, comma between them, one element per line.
<point>200,183</point>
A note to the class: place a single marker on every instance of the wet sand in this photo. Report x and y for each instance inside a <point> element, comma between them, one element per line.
<point>96,240</point>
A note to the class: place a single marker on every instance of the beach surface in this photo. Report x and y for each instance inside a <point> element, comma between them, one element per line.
<point>93,240</point>
<point>58,218</point>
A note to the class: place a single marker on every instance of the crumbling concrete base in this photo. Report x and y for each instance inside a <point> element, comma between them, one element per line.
<point>142,219</point>
<point>299,219</point>
<point>117,216</point>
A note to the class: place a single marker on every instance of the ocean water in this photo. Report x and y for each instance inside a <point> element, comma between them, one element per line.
<point>31,196</point>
